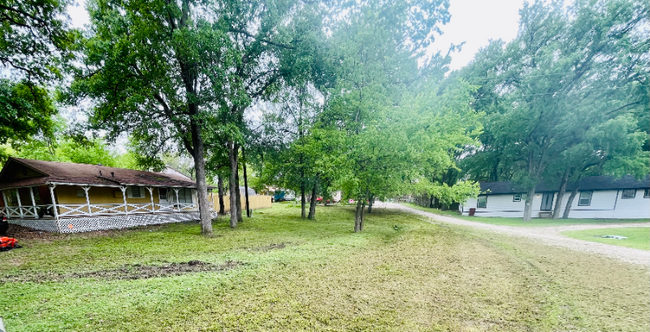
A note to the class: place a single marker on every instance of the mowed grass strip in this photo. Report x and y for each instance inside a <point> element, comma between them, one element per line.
<point>519,222</point>
<point>637,237</point>
<point>400,274</point>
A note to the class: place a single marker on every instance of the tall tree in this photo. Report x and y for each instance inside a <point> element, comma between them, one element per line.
<point>271,44</point>
<point>566,71</point>
<point>375,63</point>
<point>151,68</point>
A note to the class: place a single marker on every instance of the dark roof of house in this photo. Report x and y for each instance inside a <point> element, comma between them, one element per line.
<point>588,183</point>
<point>20,172</point>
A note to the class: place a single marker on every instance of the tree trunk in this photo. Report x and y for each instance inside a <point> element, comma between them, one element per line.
<point>201,185</point>
<point>560,195</point>
<point>363,205</point>
<point>303,201</point>
<point>528,209</point>
<point>431,201</point>
<point>312,201</point>
<point>222,208</point>
<point>569,202</point>
<point>240,218</point>
<point>371,201</point>
<point>248,209</point>
<point>357,217</point>
<point>232,183</point>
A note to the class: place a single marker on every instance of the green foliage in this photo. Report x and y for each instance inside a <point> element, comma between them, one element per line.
<point>26,111</point>
<point>87,151</point>
<point>35,38</point>
<point>558,98</point>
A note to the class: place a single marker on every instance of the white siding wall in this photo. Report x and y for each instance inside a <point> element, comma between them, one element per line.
<point>503,206</point>
<point>636,207</point>
<point>604,204</point>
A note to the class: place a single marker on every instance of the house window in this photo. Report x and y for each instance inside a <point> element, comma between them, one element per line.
<point>81,193</point>
<point>481,202</point>
<point>646,193</point>
<point>185,195</point>
<point>516,197</point>
<point>585,198</point>
<point>628,193</point>
<point>135,192</point>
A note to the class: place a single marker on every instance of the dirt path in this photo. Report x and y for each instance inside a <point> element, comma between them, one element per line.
<point>550,235</point>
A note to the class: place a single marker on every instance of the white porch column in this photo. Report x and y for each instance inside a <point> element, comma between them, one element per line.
<point>56,213</point>
<point>126,207</point>
<point>4,197</point>
<point>20,204</point>
<point>31,194</point>
<point>178,202</point>
<point>153,207</point>
<point>90,211</point>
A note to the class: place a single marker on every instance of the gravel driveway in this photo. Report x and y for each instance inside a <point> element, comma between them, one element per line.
<point>550,235</point>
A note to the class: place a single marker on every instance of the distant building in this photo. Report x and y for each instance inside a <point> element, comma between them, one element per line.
<point>598,197</point>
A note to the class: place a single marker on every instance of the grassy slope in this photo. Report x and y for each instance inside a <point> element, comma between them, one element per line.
<point>637,237</point>
<point>420,277</point>
<point>535,222</point>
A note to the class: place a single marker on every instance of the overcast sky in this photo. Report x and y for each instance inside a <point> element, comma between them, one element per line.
<point>474,22</point>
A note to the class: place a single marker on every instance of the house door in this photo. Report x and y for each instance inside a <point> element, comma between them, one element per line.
<point>547,202</point>
<point>163,196</point>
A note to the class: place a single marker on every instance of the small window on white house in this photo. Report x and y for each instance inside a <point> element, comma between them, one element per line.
<point>517,197</point>
<point>481,202</point>
<point>585,198</point>
<point>646,193</point>
<point>135,192</point>
<point>629,193</point>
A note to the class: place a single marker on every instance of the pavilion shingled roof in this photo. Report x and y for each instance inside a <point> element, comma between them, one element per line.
<point>85,174</point>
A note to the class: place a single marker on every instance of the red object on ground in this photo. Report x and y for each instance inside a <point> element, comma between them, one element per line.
<point>472,211</point>
<point>7,243</point>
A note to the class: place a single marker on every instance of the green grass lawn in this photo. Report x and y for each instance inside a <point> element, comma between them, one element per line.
<point>535,222</point>
<point>277,272</point>
<point>637,237</point>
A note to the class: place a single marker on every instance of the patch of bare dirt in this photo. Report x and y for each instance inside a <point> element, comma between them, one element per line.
<point>130,272</point>
<point>270,247</point>
<point>26,233</point>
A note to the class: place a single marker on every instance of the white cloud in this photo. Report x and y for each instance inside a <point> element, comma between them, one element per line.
<point>475,22</point>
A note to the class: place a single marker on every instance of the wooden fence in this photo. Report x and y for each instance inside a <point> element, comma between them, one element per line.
<point>256,202</point>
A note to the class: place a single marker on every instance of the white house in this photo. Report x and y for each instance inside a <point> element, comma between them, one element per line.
<point>598,197</point>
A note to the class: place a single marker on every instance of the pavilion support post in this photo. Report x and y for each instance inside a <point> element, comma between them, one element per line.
<point>4,198</point>
<point>153,207</point>
<point>90,211</point>
<point>126,207</point>
<point>178,202</point>
<point>20,204</point>
<point>54,209</point>
<point>31,194</point>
